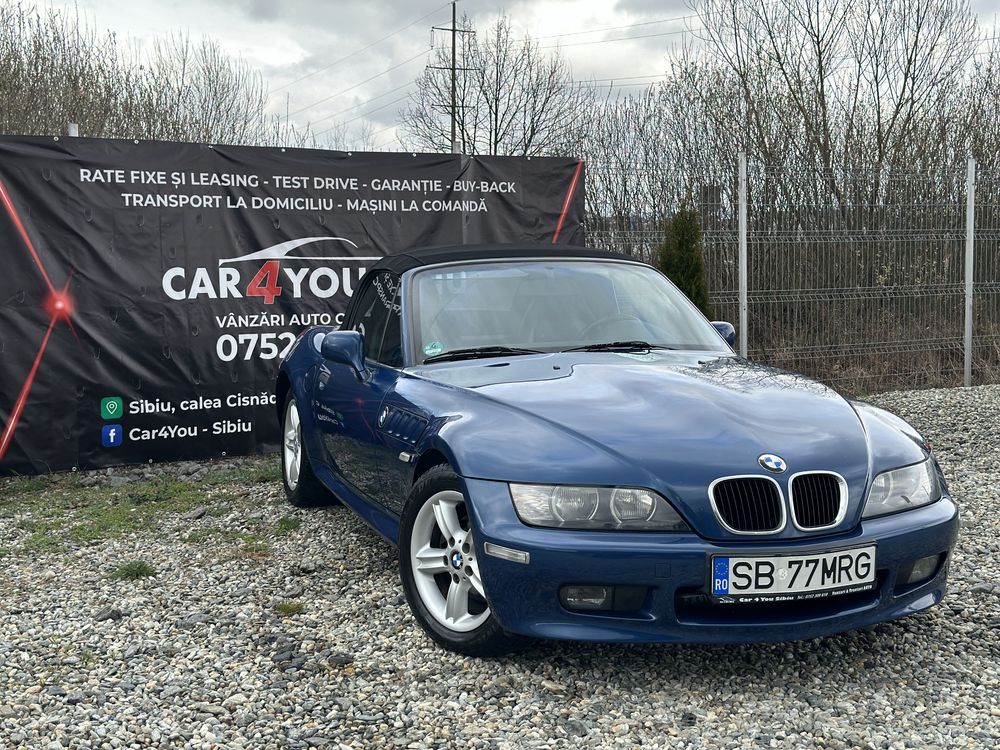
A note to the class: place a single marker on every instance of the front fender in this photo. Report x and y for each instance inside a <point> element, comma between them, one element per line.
<point>295,375</point>
<point>892,442</point>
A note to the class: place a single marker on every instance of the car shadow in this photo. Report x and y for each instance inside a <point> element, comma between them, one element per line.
<point>708,664</point>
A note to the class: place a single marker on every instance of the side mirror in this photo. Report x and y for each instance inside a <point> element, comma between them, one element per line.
<point>727,330</point>
<point>346,348</point>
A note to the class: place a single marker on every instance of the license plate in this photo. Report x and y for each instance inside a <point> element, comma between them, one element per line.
<point>790,577</point>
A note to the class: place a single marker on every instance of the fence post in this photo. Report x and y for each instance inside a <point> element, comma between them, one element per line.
<point>970,246</point>
<point>743,255</point>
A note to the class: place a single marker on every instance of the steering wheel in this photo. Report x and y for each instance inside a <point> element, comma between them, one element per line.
<point>619,318</point>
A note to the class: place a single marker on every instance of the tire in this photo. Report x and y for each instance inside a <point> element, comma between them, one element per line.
<point>302,488</point>
<point>437,557</point>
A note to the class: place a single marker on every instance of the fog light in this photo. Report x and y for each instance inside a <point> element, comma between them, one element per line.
<point>587,597</point>
<point>922,569</point>
<point>603,598</point>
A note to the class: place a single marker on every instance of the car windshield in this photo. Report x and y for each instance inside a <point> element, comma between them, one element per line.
<point>545,306</point>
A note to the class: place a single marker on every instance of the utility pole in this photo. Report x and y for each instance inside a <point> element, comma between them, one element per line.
<point>454,69</point>
<point>970,266</point>
<point>742,290</point>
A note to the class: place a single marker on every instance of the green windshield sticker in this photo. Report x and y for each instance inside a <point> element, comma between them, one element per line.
<point>432,348</point>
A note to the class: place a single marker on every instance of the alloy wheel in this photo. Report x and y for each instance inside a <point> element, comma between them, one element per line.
<point>292,445</point>
<point>444,564</point>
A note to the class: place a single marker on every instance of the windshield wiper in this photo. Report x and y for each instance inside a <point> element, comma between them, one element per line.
<point>478,352</point>
<point>619,346</point>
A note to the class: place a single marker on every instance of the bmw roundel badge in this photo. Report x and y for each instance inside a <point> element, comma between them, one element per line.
<point>772,462</point>
<point>384,415</point>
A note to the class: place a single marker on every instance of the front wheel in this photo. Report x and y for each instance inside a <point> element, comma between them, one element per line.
<point>302,488</point>
<point>439,567</point>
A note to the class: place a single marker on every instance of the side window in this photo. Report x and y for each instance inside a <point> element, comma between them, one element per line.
<point>377,310</point>
<point>391,352</point>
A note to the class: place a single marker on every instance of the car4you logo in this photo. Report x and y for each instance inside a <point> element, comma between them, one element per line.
<point>279,274</point>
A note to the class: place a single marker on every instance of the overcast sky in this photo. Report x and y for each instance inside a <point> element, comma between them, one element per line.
<point>288,39</point>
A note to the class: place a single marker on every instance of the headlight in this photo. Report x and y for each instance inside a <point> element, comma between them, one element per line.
<point>603,508</point>
<point>902,489</point>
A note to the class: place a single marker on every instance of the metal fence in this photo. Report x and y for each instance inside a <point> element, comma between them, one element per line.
<point>857,279</point>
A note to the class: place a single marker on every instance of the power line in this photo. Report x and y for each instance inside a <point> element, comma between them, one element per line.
<point>362,83</point>
<point>623,38</point>
<point>687,17</point>
<point>374,136</point>
<point>584,83</point>
<point>363,115</point>
<point>619,85</point>
<point>377,109</point>
<point>383,130</point>
<point>616,78</point>
<point>610,28</point>
<point>591,83</point>
<point>364,103</point>
<point>359,51</point>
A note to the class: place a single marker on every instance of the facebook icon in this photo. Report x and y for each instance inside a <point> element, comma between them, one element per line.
<point>111,435</point>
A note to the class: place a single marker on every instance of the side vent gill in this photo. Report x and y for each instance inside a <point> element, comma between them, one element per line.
<point>403,425</point>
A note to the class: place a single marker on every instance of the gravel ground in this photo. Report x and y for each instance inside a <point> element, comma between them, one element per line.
<point>265,626</point>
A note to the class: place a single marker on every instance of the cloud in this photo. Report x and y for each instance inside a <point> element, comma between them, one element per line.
<point>263,9</point>
<point>290,39</point>
<point>655,8</point>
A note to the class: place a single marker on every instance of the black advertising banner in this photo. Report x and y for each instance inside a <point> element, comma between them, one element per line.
<point>148,290</point>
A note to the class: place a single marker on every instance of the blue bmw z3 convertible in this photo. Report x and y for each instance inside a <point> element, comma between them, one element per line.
<point>562,446</point>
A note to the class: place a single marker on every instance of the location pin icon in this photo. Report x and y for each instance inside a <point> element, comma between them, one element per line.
<point>110,407</point>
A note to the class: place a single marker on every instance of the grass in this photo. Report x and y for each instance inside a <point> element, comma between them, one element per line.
<point>42,542</point>
<point>133,571</point>
<point>290,608</point>
<point>213,533</point>
<point>270,472</point>
<point>57,512</point>
<point>256,473</point>
<point>287,525</point>
<point>254,551</point>
<point>70,515</point>
<point>253,547</point>
<point>18,486</point>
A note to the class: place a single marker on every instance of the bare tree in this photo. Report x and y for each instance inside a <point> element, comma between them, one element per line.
<point>362,137</point>
<point>841,84</point>
<point>512,98</point>
<point>852,90</point>
<point>212,98</point>
<point>55,69</point>
<point>857,117</point>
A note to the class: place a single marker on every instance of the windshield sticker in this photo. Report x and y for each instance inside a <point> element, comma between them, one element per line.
<point>433,348</point>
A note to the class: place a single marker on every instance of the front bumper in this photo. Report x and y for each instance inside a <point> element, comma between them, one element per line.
<point>676,570</point>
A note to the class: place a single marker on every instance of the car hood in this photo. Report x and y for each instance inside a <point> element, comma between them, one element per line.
<point>676,420</point>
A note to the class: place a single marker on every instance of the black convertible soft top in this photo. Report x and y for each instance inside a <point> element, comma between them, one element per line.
<point>426,256</point>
